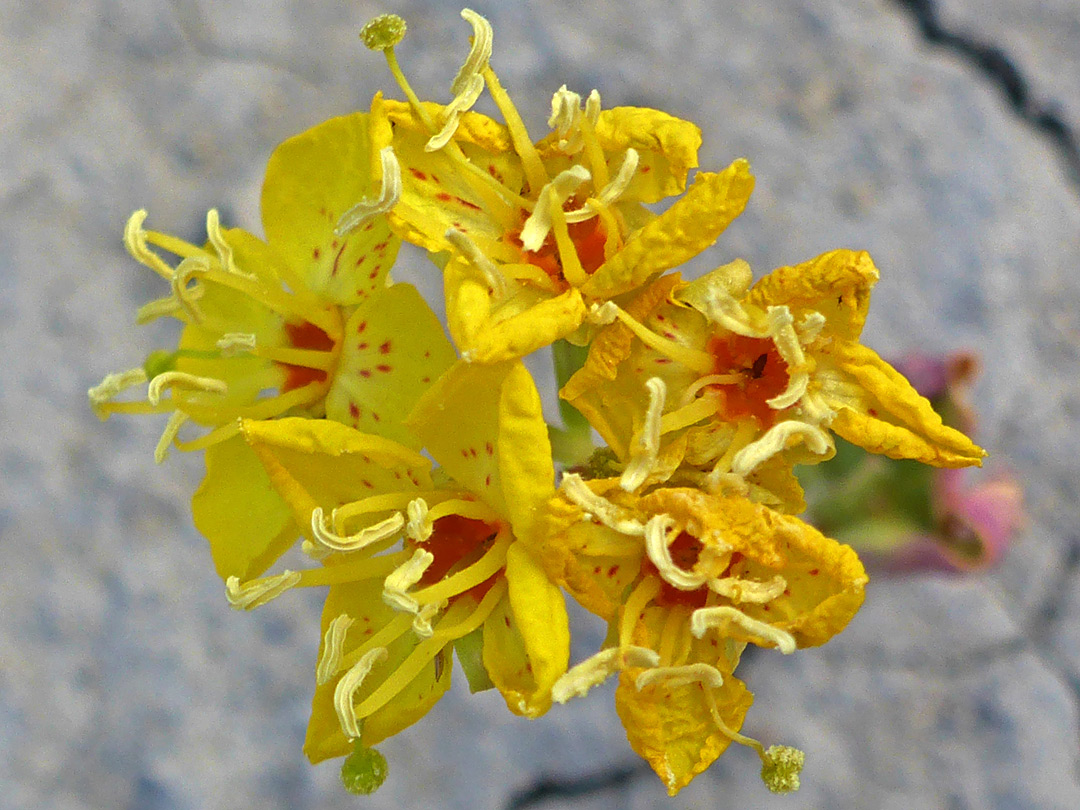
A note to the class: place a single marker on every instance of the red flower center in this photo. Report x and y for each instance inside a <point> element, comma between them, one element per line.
<point>456,542</point>
<point>305,336</point>
<point>764,375</point>
<point>588,238</point>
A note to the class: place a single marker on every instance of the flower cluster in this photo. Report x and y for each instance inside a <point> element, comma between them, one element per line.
<point>417,472</point>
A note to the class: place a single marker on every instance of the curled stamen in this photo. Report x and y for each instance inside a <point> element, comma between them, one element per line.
<point>389,194</point>
<point>469,82</point>
<point>722,616</point>
<point>187,296</point>
<point>565,109</point>
<point>608,513</point>
<point>419,528</point>
<point>398,582</point>
<point>182,380</point>
<point>603,314</point>
<point>557,192</point>
<point>112,385</point>
<point>333,643</point>
<point>234,343</point>
<point>221,245</point>
<point>257,592</point>
<point>492,275</point>
<point>706,675</point>
<point>612,191</point>
<point>136,245</point>
<point>382,530</point>
<point>656,546</point>
<point>778,438</point>
<point>422,621</point>
<point>745,590</point>
<point>347,687</point>
<point>782,329</point>
<point>168,435</point>
<point>645,447</point>
<point>596,669</point>
<point>810,327</point>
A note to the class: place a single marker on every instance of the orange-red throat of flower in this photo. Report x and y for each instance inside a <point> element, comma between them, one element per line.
<point>764,375</point>
<point>456,542</point>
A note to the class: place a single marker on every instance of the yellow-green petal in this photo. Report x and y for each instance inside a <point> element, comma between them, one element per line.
<point>692,224</point>
<point>236,509</point>
<point>312,179</point>
<point>879,410</point>
<point>393,349</point>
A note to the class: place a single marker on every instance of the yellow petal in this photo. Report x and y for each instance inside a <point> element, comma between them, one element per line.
<point>394,348</point>
<point>486,335</point>
<point>236,509</point>
<point>879,410</point>
<point>362,602</point>
<point>321,463</point>
<point>527,637</point>
<point>311,180</point>
<point>691,225</point>
<point>484,426</point>
<point>436,192</point>
<point>672,727</point>
<point>837,284</point>
<point>667,149</point>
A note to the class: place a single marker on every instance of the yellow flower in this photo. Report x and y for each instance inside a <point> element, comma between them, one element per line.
<point>303,323</point>
<point>687,579</point>
<point>744,381</point>
<point>536,233</point>
<point>419,564</point>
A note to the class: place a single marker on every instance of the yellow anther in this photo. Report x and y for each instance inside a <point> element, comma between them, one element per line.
<point>389,194</point>
<point>706,675</point>
<point>645,446</point>
<point>385,31</point>
<point>221,245</point>
<point>333,645</point>
<point>780,768</point>
<point>398,582</point>
<point>330,541</point>
<point>234,343</point>
<point>347,687</point>
<point>596,669</point>
<point>468,249</point>
<point>538,225</point>
<point>608,513</point>
<point>168,435</point>
<point>603,314</point>
<point>187,296</point>
<point>723,616</point>
<point>778,438</point>
<point>135,242</point>
<point>184,381</point>
<point>656,547</point>
<point>592,107</point>
<point>111,386</point>
<point>257,592</point>
<point>745,590</point>
<point>610,193</point>
<point>422,621</point>
<point>419,528</point>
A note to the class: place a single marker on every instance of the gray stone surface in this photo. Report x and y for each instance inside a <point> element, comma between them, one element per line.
<point>126,682</point>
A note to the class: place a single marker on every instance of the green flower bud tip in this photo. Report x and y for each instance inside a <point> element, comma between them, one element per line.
<point>385,31</point>
<point>363,771</point>
<point>158,362</point>
<point>780,768</point>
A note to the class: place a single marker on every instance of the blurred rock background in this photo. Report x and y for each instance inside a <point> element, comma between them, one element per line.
<point>935,135</point>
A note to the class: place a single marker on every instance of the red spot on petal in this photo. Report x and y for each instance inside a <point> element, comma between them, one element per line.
<point>419,175</point>
<point>376,417</point>
<point>367,484</point>
<point>354,411</point>
<point>361,327</point>
<point>316,253</point>
<point>487,480</point>
<point>490,449</point>
<point>362,345</point>
<point>442,196</point>
<point>384,368</point>
<point>468,204</point>
<point>814,572</point>
<point>365,373</point>
<point>385,348</point>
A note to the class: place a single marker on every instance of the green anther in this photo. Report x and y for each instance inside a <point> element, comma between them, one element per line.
<point>158,362</point>
<point>384,32</point>
<point>780,768</point>
<point>363,771</point>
